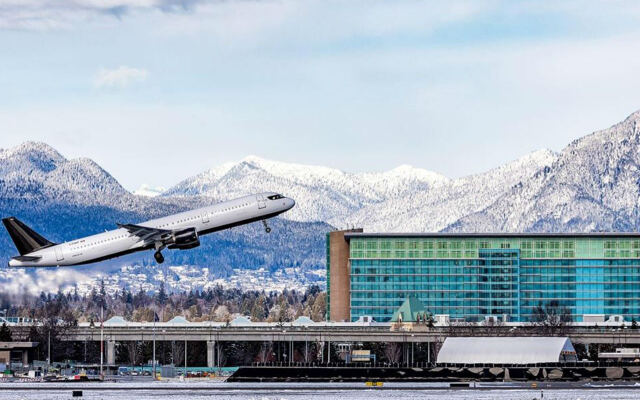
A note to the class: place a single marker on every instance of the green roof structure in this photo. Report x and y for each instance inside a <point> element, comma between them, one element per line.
<point>412,310</point>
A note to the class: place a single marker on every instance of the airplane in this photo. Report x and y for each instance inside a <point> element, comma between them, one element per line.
<point>178,231</point>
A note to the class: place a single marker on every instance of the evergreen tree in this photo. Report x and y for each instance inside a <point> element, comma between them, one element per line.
<point>5,333</point>
<point>161,298</point>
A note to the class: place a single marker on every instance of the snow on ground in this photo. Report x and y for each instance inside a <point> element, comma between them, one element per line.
<point>295,391</point>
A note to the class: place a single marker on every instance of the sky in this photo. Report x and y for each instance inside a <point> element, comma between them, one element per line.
<point>159,90</point>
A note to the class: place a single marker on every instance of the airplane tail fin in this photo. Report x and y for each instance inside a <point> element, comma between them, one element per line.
<point>26,239</point>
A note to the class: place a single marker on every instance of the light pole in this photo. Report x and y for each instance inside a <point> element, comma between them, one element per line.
<point>153,362</point>
<point>101,340</point>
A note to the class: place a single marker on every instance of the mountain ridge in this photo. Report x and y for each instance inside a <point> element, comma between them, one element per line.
<point>593,184</point>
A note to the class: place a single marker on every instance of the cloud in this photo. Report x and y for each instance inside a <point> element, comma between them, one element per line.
<point>55,14</point>
<point>121,77</point>
<point>149,191</point>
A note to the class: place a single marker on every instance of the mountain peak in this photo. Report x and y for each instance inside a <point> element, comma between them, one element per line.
<point>409,171</point>
<point>32,149</point>
<point>251,158</point>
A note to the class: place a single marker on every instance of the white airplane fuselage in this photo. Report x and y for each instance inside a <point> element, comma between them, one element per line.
<point>121,241</point>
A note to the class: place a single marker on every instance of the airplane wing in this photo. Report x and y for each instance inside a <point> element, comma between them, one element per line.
<point>146,233</point>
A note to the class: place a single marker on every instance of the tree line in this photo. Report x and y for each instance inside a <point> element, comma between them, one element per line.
<point>60,312</point>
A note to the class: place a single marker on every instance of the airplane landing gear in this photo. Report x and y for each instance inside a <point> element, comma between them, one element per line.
<point>266,227</point>
<point>159,257</point>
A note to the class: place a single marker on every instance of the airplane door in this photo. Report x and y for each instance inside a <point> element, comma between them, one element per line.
<point>205,218</point>
<point>261,201</point>
<point>59,255</point>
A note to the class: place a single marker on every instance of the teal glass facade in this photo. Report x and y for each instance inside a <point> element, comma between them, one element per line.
<point>470,276</point>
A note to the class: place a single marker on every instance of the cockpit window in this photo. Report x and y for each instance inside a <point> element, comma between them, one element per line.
<point>275,197</point>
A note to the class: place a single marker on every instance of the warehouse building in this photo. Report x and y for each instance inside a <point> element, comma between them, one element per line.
<point>506,350</point>
<point>472,277</point>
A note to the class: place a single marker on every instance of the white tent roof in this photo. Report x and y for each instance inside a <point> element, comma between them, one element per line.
<point>178,319</point>
<point>503,350</point>
<point>302,320</point>
<point>241,320</point>
<point>116,319</point>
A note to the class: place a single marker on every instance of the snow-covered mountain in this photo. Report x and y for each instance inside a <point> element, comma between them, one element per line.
<point>321,193</point>
<point>36,171</point>
<point>403,199</point>
<point>64,199</point>
<point>593,185</point>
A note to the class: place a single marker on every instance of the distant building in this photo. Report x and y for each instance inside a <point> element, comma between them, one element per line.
<point>474,276</point>
<point>621,354</point>
<point>412,315</point>
<point>16,352</point>
<point>506,350</point>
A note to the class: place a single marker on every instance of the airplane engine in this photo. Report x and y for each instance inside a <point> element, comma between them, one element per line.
<point>184,239</point>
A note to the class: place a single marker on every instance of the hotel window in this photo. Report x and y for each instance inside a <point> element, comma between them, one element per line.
<point>443,254</point>
<point>427,254</point>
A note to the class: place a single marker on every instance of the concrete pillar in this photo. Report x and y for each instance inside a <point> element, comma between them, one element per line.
<point>211,353</point>
<point>25,357</point>
<point>111,352</point>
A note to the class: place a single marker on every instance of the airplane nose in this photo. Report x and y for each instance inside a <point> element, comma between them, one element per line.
<point>290,203</point>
